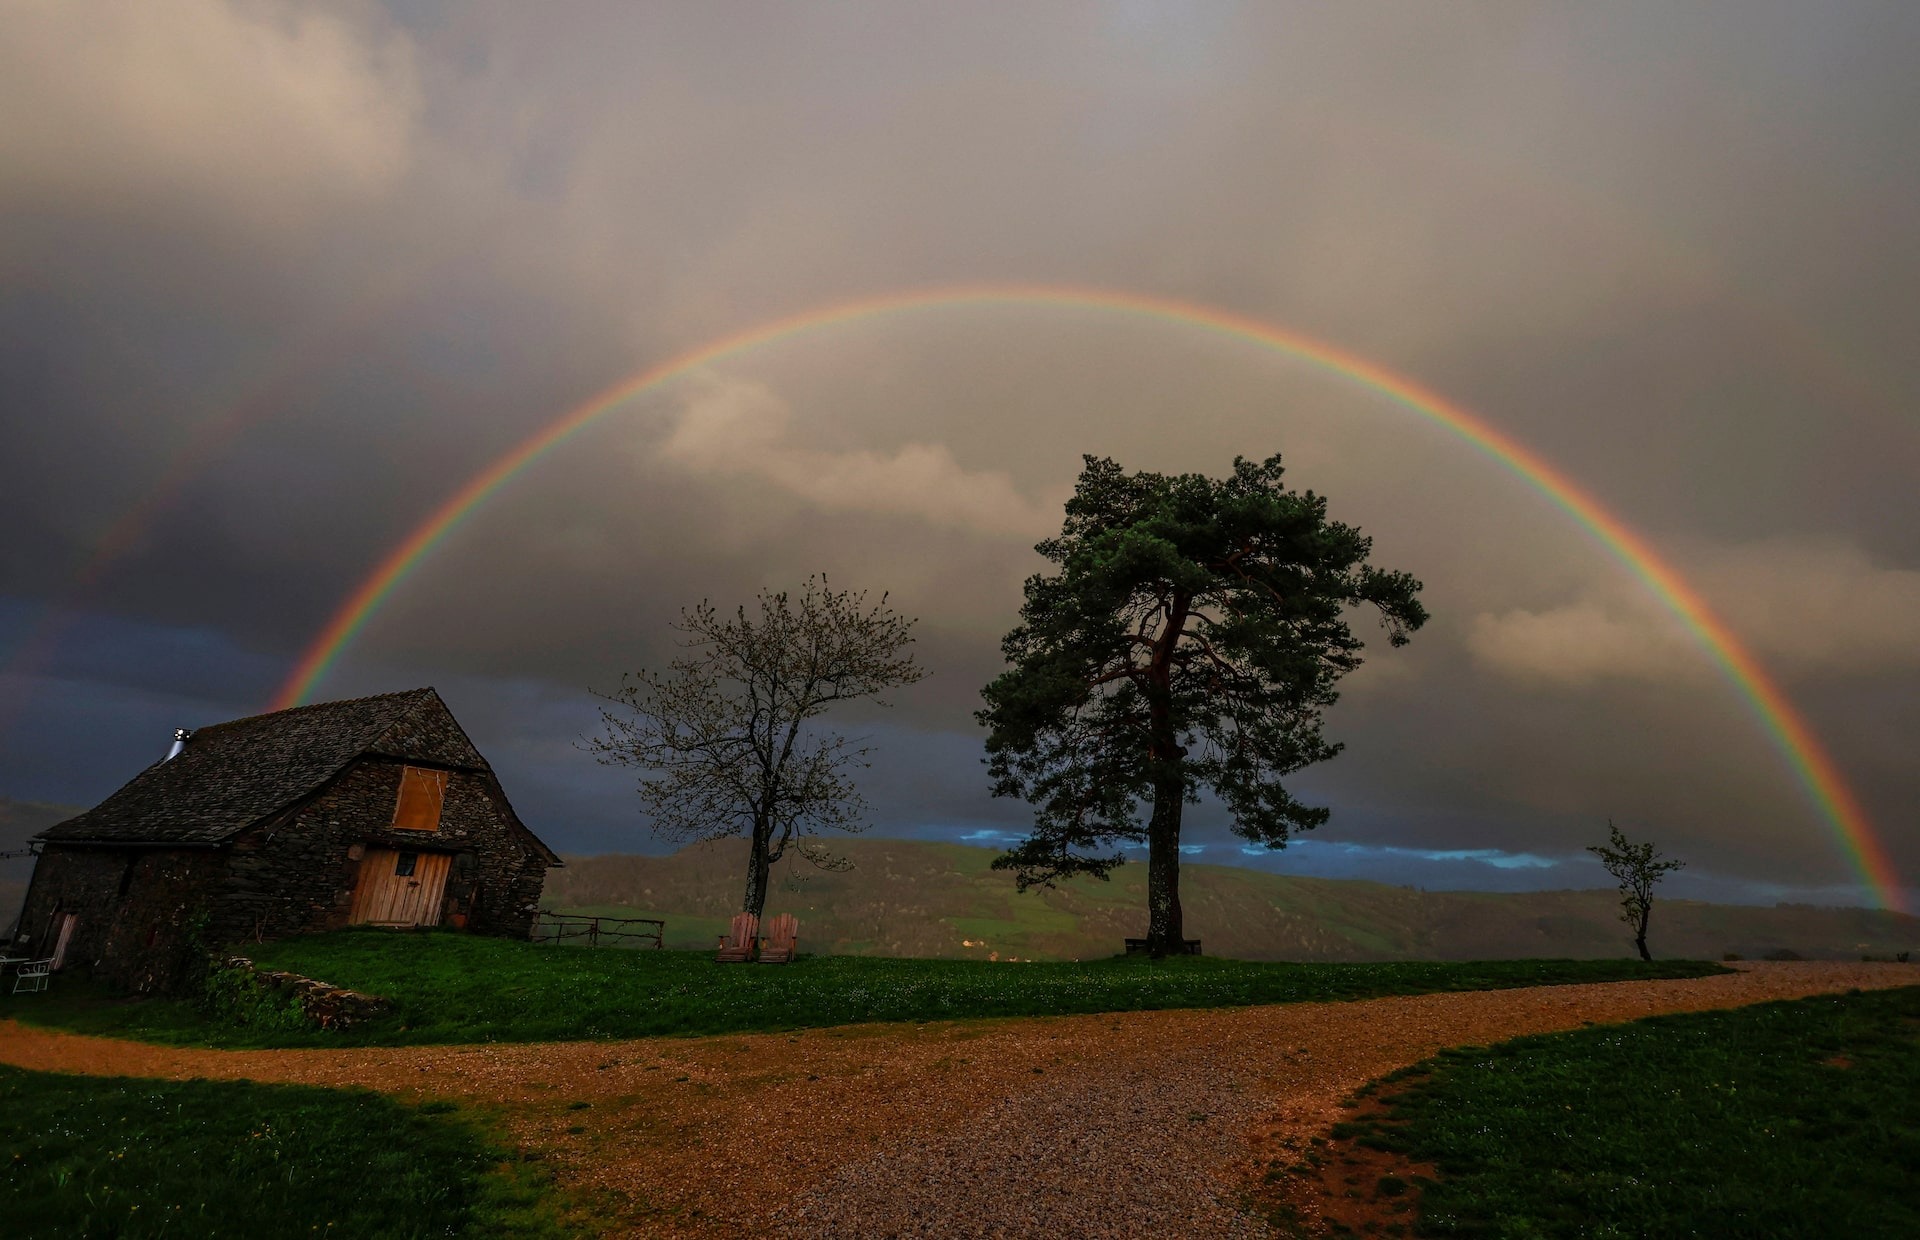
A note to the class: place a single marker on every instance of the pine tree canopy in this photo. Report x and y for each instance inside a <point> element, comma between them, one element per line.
<point>1191,637</point>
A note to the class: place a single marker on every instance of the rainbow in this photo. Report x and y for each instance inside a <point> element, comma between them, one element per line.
<point>1787,730</point>
<point>254,397</point>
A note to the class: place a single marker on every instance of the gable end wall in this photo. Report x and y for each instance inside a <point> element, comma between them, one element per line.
<point>430,734</point>
<point>297,873</point>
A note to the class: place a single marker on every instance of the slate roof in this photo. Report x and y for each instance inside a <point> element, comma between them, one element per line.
<point>232,775</point>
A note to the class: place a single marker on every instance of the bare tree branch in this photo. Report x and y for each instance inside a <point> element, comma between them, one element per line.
<point>727,738</point>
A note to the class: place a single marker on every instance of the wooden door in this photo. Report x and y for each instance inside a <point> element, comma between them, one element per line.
<point>399,888</point>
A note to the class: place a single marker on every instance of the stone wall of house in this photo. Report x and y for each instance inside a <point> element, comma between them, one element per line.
<point>137,911</point>
<point>299,872</point>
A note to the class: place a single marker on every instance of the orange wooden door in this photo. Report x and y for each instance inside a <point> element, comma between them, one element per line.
<point>400,888</point>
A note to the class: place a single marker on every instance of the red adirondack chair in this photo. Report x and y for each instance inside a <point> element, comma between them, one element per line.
<point>737,945</point>
<point>783,939</point>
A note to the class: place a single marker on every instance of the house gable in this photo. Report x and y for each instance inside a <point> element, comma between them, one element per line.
<point>427,734</point>
<point>232,776</point>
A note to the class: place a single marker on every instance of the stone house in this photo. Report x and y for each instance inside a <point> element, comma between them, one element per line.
<point>375,810</point>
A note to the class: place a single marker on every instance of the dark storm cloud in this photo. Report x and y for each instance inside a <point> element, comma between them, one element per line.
<point>340,258</point>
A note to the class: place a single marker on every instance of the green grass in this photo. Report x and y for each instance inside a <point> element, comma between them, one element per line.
<point>129,1158</point>
<point>450,987</point>
<point>1788,1119</point>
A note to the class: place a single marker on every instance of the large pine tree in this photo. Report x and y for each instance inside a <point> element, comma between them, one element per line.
<point>1191,638</point>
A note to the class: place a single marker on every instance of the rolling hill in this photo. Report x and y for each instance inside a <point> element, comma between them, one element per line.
<point>919,898</point>
<point>916,898</point>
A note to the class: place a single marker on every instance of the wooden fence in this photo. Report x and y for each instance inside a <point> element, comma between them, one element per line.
<point>551,927</point>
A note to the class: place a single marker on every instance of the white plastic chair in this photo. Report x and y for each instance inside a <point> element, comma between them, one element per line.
<point>32,975</point>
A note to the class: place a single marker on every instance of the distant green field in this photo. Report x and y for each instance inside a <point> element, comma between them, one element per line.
<point>450,987</point>
<point>121,1157</point>
<point>1793,1119</point>
<point>923,898</point>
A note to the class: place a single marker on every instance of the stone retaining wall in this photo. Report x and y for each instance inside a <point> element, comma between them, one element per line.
<point>326,1005</point>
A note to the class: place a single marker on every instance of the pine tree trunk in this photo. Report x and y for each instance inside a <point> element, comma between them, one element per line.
<point>758,869</point>
<point>1166,759</point>
<point>1166,932</point>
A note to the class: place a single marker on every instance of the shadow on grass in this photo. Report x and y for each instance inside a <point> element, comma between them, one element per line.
<point>124,1157</point>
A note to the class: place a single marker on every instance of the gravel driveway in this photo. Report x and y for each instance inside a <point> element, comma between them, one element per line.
<point>1131,1124</point>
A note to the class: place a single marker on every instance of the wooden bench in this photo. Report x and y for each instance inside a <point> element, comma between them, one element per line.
<point>551,927</point>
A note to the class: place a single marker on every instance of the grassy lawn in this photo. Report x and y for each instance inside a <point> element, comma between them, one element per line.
<point>1788,1119</point>
<point>117,1156</point>
<point>451,987</point>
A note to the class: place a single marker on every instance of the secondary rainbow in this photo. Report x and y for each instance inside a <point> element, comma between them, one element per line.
<point>1789,732</point>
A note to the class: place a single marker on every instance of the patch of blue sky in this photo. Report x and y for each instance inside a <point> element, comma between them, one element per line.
<point>1498,858</point>
<point>1439,869</point>
<point>987,835</point>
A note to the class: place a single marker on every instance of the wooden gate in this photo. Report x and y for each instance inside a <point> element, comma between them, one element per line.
<point>400,888</point>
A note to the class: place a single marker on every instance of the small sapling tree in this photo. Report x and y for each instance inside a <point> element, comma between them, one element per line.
<point>1636,867</point>
<point>1191,637</point>
<point>726,736</point>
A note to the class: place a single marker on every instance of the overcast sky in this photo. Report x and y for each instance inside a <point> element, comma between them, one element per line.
<point>276,279</point>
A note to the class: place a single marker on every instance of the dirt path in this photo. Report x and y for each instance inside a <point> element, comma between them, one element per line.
<point>1129,1124</point>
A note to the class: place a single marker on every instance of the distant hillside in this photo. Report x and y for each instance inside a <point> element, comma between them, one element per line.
<point>913,898</point>
<point>20,821</point>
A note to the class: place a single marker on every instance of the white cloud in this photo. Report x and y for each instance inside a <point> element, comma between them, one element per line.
<point>256,113</point>
<point>1821,605</point>
<point>732,426</point>
<point>1582,642</point>
<point>1802,606</point>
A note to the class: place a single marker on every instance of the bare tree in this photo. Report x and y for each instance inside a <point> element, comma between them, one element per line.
<point>725,734</point>
<point>1636,867</point>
